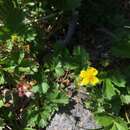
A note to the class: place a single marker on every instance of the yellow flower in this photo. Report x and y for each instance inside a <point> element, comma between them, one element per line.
<point>89,76</point>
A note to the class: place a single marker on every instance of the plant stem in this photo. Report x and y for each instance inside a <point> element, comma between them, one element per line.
<point>127,117</point>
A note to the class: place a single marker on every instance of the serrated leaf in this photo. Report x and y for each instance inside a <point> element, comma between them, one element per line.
<point>103,119</point>
<point>120,126</point>
<point>119,80</point>
<point>125,99</point>
<point>29,69</point>
<point>40,88</point>
<point>114,127</point>
<point>59,71</point>
<point>32,118</point>
<point>10,69</point>
<point>113,122</point>
<point>42,123</point>
<point>44,87</point>
<point>109,90</point>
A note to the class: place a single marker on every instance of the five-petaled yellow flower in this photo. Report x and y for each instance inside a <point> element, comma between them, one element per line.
<point>88,77</point>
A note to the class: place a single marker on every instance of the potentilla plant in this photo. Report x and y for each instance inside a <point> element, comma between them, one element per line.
<point>108,97</point>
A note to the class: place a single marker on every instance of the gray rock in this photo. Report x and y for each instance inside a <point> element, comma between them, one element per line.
<point>79,118</point>
<point>86,120</point>
<point>62,122</point>
<point>69,122</point>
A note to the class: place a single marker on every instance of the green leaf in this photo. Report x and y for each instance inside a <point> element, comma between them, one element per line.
<point>114,127</point>
<point>35,89</point>
<point>116,105</point>
<point>9,45</point>
<point>61,101</point>
<point>2,80</point>
<point>41,88</point>
<point>30,69</point>
<point>120,126</point>
<point>81,54</point>
<point>10,69</point>
<point>57,97</point>
<point>120,123</point>
<point>44,87</point>
<point>1,103</point>
<point>42,123</point>
<point>2,124</point>
<point>103,119</point>
<point>81,57</point>
<point>31,116</point>
<point>24,69</point>
<point>46,113</point>
<point>12,16</point>
<point>109,90</point>
<point>59,71</point>
<point>70,66</point>
<point>125,99</point>
<point>21,56</point>
<point>111,122</point>
<point>119,80</point>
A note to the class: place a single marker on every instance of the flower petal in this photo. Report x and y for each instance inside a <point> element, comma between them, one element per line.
<point>94,80</point>
<point>92,71</point>
<point>83,74</point>
<point>85,81</point>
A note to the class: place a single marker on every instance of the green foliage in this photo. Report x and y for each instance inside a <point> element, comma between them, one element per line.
<point>111,122</point>
<point>33,67</point>
<point>40,88</point>
<point>1,124</point>
<point>109,90</point>
<point>32,91</point>
<point>19,62</point>
<point>39,115</point>
<point>108,102</point>
<point>11,16</point>
<point>125,99</point>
